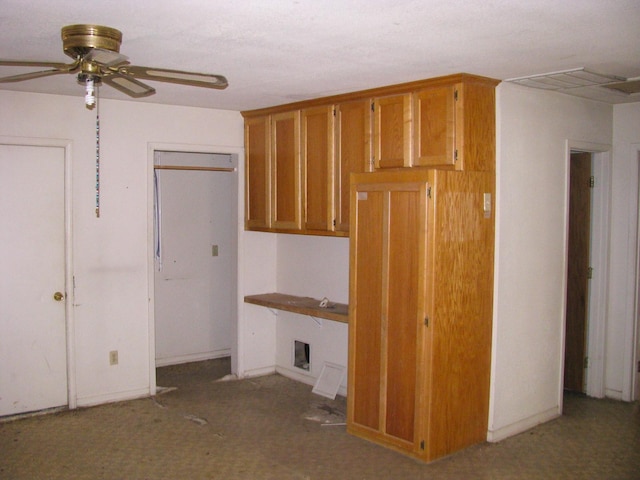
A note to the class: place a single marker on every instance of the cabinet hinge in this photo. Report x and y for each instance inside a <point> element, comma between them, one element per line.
<point>455,155</point>
<point>334,112</point>
<point>455,95</point>
<point>426,321</point>
<point>421,444</point>
<point>592,181</point>
<point>589,273</point>
<point>428,192</point>
<point>373,106</point>
<point>334,222</point>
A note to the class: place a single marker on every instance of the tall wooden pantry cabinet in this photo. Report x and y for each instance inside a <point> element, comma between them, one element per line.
<point>420,309</point>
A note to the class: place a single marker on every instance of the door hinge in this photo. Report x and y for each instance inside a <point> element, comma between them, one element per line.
<point>455,95</point>
<point>455,155</point>
<point>592,181</point>
<point>334,112</point>
<point>589,273</point>
<point>428,192</point>
<point>373,106</point>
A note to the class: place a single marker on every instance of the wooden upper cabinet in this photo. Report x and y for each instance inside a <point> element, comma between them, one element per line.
<point>299,156</point>
<point>435,126</point>
<point>476,125</point>
<point>286,171</point>
<point>257,173</point>
<point>317,158</point>
<point>392,131</point>
<point>353,153</point>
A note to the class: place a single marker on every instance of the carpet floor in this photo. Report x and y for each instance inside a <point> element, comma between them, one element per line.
<point>274,428</point>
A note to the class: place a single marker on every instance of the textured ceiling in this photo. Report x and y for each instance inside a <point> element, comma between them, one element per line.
<point>280,51</point>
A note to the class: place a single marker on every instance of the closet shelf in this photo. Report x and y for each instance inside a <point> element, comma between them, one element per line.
<point>338,312</point>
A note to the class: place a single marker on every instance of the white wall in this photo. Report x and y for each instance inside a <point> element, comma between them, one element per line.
<point>111,253</point>
<point>619,374</point>
<point>533,128</point>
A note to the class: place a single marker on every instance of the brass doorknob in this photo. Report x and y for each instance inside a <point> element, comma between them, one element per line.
<point>58,296</point>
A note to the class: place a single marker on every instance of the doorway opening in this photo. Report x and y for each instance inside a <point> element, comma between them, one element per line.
<point>587,269</point>
<point>195,256</point>
<point>579,271</point>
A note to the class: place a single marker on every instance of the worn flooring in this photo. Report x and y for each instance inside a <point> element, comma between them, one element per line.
<point>275,428</point>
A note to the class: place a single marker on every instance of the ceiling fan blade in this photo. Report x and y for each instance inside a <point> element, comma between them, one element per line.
<point>128,85</point>
<point>56,68</point>
<point>105,58</point>
<point>176,76</point>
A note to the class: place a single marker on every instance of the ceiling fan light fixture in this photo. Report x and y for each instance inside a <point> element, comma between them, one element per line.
<point>78,40</point>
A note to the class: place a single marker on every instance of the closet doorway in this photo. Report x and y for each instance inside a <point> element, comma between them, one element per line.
<point>195,250</point>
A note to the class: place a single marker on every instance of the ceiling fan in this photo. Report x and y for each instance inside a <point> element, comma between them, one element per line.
<point>95,50</point>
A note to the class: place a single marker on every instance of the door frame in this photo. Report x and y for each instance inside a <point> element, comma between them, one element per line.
<point>599,258</point>
<point>66,145</point>
<point>236,346</point>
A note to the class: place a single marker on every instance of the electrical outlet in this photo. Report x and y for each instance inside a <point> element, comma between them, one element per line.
<point>113,357</point>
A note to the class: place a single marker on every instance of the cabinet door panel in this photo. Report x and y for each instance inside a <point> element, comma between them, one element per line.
<point>354,152</point>
<point>435,127</point>
<point>286,195</point>
<point>365,333</point>
<point>402,312</point>
<point>257,171</point>
<point>392,131</point>
<point>317,153</point>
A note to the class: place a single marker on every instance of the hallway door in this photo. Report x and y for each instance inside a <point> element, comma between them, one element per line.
<point>578,272</point>
<point>33,351</point>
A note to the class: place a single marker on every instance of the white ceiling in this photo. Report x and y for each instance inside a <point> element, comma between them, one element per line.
<point>280,51</point>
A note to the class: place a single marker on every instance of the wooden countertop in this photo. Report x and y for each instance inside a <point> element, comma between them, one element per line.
<point>338,312</point>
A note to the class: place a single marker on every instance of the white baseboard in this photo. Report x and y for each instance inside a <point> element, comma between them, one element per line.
<point>193,357</point>
<point>522,425</point>
<point>93,400</point>
<point>613,394</point>
<point>258,372</point>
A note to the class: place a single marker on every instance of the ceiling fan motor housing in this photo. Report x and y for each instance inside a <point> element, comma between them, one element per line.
<point>78,40</point>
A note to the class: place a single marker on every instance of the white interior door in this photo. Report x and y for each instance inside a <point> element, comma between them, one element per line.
<point>33,365</point>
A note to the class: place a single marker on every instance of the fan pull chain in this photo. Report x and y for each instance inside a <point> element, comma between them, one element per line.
<point>97,156</point>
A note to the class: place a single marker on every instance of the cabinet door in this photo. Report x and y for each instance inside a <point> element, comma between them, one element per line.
<point>286,203</point>
<point>387,328</point>
<point>392,131</point>
<point>434,123</point>
<point>257,173</point>
<point>317,158</point>
<point>353,131</point>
